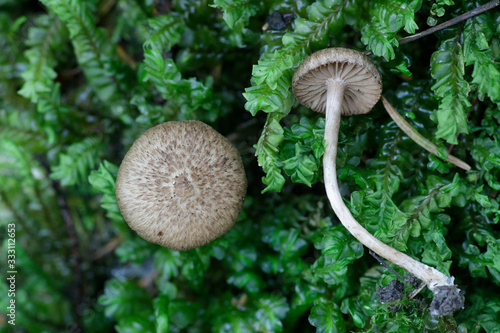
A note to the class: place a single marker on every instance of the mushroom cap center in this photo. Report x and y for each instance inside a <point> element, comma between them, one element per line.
<point>183,187</point>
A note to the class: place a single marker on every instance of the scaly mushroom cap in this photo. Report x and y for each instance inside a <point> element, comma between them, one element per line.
<point>181,185</point>
<point>363,85</point>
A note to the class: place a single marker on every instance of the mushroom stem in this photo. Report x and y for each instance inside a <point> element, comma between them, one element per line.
<point>431,276</point>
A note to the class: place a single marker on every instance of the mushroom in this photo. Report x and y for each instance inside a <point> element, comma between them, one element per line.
<point>338,81</point>
<point>181,185</point>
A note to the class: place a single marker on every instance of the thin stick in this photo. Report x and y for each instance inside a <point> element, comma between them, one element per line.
<point>416,291</point>
<point>106,249</point>
<point>418,138</point>
<point>453,21</point>
<point>493,194</point>
<point>383,263</point>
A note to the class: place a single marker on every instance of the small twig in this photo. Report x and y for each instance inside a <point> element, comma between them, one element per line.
<point>493,194</point>
<point>105,8</point>
<point>68,74</point>
<point>383,263</point>
<point>416,291</point>
<point>450,147</point>
<point>106,249</point>
<point>125,57</point>
<point>147,280</point>
<point>453,21</point>
<point>418,138</point>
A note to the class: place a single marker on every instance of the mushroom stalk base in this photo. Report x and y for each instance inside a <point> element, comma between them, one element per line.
<point>431,276</point>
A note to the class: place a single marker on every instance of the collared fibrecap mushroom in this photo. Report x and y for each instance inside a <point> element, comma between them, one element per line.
<point>181,185</point>
<point>338,81</point>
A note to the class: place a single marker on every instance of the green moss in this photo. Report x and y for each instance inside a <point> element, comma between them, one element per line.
<point>81,80</point>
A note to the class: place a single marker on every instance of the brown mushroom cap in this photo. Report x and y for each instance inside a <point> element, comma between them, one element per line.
<point>362,80</point>
<point>181,185</point>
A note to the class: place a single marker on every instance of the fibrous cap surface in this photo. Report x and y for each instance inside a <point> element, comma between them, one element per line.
<point>181,185</point>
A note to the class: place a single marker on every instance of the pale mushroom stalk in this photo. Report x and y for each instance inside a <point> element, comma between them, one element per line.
<point>431,276</point>
<point>338,81</point>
